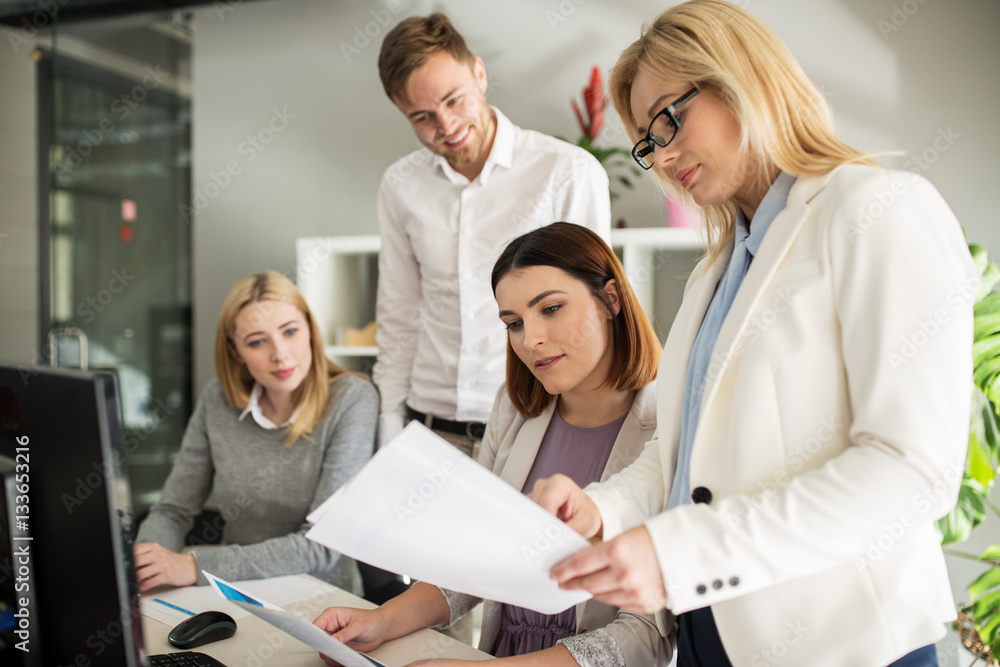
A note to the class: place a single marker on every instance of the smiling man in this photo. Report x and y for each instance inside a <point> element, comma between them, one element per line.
<point>446,211</point>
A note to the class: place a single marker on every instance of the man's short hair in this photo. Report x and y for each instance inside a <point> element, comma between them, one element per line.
<point>408,46</point>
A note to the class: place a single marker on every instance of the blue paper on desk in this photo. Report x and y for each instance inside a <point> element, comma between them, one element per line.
<point>293,624</point>
<point>422,508</point>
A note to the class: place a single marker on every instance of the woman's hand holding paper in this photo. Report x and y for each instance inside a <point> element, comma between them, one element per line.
<point>623,573</point>
<point>560,496</point>
<point>360,629</point>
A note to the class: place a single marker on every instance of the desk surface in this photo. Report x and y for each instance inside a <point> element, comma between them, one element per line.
<point>259,644</point>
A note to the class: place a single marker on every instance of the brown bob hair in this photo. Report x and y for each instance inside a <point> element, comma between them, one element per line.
<point>585,256</point>
<point>408,46</point>
<point>237,383</point>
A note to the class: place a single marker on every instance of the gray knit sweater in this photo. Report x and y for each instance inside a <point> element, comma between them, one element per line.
<point>265,490</point>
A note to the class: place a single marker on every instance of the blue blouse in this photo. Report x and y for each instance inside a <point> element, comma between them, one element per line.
<point>748,239</point>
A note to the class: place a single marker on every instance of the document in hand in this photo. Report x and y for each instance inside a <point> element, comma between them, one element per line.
<point>293,624</point>
<point>422,508</point>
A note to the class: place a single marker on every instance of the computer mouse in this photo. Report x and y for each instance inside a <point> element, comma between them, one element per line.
<point>201,629</point>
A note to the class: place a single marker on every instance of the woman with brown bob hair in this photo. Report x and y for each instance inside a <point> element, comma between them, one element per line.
<point>579,400</point>
<point>274,435</point>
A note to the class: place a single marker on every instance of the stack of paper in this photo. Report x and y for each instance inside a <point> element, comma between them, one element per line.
<point>422,508</point>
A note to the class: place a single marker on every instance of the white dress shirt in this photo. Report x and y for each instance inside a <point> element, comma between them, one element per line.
<point>441,345</point>
<point>254,410</point>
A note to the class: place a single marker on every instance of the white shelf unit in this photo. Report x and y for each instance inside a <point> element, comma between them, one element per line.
<point>338,276</point>
<point>351,350</point>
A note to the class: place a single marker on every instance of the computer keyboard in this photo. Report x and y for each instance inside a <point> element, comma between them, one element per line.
<point>183,659</point>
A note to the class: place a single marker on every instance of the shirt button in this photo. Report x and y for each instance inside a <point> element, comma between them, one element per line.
<point>702,589</point>
<point>734,581</point>
<point>717,584</point>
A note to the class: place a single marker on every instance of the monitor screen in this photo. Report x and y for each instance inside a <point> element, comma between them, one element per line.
<point>64,430</point>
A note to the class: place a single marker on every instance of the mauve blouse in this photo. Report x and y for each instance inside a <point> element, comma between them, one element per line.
<point>581,454</point>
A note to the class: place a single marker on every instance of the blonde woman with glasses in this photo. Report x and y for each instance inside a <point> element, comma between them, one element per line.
<point>794,430</point>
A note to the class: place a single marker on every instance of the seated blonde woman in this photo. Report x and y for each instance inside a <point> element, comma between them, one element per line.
<point>278,431</point>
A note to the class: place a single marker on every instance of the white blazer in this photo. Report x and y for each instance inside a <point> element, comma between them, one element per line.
<point>832,435</point>
<point>509,448</point>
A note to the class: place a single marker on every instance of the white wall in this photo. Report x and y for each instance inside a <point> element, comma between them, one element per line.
<point>890,89</point>
<point>18,203</point>
<point>914,75</point>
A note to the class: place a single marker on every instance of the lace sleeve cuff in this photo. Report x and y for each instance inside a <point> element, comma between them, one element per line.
<point>594,649</point>
<point>459,604</point>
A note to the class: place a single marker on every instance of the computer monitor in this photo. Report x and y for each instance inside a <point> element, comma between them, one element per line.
<point>63,429</point>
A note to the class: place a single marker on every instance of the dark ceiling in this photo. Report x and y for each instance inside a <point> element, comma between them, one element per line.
<point>39,13</point>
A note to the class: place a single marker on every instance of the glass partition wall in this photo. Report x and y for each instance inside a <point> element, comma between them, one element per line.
<point>114,112</point>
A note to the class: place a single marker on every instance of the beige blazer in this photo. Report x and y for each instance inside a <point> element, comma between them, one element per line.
<point>509,447</point>
<point>832,435</point>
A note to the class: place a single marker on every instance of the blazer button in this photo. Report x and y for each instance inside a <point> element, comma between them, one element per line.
<point>702,589</point>
<point>734,581</point>
<point>702,495</point>
<point>717,584</point>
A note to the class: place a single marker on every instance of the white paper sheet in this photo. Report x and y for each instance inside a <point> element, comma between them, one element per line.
<point>422,508</point>
<point>168,605</point>
<point>293,624</point>
<point>308,633</point>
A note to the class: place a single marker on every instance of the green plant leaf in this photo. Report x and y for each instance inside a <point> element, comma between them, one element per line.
<point>984,610</point>
<point>989,427</point>
<point>991,553</point>
<point>967,513</point>
<point>979,257</point>
<point>985,348</point>
<point>985,372</point>
<point>988,304</point>
<point>987,617</point>
<point>956,526</point>
<point>980,464</point>
<point>993,390</point>
<point>987,580</point>
<point>986,323</point>
<point>988,280</point>
<point>988,632</point>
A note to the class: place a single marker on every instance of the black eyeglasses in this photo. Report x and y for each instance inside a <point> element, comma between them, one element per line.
<point>662,130</point>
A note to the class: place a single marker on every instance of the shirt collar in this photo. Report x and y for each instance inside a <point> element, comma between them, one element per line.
<point>253,409</point>
<point>773,203</point>
<point>501,153</point>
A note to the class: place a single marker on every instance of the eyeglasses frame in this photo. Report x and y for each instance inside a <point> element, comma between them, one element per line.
<point>650,139</point>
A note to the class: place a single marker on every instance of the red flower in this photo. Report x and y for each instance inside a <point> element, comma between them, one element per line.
<point>593,97</point>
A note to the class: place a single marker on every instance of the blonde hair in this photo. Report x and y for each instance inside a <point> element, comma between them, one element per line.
<point>237,383</point>
<point>727,51</point>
